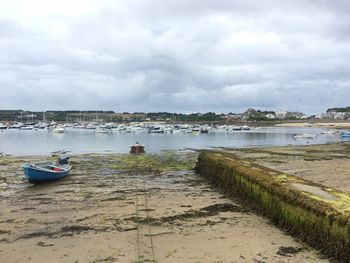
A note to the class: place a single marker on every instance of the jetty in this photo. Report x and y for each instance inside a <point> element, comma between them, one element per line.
<point>315,213</point>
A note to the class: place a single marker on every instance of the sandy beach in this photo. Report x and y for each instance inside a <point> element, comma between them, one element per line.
<point>114,208</point>
<point>329,125</point>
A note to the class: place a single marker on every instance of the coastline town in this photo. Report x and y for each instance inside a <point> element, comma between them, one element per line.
<point>220,204</point>
<point>174,131</point>
<point>92,119</point>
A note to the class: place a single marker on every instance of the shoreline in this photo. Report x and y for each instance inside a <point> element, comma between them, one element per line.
<point>329,125</point>
<point>304,189</point>
<point>112,204</point>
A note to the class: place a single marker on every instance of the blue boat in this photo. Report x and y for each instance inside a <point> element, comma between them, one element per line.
<point>346,135</point>
<point>47,171</point>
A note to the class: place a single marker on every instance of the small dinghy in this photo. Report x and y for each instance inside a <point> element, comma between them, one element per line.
<point>304,136</point>
<point>47,171</point>
<point>346,135</point>
<point>137,148</point>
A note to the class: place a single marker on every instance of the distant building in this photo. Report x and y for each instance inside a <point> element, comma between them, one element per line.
<point>336,115</point>
<point>281,114</point>
<point>290,115</point>
<point>270,116</point>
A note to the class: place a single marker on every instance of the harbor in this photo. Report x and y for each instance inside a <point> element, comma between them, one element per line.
<point>134,208</point>
<point>87,140</point>
<point>174,131</point>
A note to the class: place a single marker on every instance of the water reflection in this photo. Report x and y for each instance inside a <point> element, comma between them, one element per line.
<point>19,142</point>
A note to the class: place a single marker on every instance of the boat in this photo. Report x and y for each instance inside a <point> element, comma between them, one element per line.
<point>26,128</point>
<point>195,128</point>
<point>58,130</point>
<point>346,135</point>
<point>16,125</point>
<point>3,126</point>
<point>47,171</point>
<point>234,128</point>
<point>204,129</point>
<point>153,129</point>
<point>102,130</point>
<point>304,136</point>
<point>137,148</point>
<point>331,132</point>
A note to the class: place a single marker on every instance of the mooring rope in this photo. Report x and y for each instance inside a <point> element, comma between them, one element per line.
<point>137,225</point>
<point>148,220</point>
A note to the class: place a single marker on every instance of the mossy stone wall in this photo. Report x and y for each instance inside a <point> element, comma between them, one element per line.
<point>320,223</point>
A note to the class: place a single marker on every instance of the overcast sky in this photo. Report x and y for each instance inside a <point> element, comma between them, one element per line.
<point>174,55</point>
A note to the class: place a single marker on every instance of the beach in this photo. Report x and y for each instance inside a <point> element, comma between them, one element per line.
<point>329,125</point>
<point>122,208</point>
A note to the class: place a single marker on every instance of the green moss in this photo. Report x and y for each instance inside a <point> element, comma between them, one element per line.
<point>323,223</point>
<point>150,163</point>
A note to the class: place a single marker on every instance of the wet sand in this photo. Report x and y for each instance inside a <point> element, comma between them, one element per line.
<point>327,164</point>
<point>112,209</point>
<point>330,125</point>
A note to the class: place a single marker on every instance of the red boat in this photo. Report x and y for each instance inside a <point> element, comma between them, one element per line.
<point>137,148</point>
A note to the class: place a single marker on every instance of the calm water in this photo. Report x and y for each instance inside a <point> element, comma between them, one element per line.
<point>19,142</point>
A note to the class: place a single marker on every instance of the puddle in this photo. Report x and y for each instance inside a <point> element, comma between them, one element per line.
<point>315,190</point>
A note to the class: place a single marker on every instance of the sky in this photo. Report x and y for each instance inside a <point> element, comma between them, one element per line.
<point>175,55</point>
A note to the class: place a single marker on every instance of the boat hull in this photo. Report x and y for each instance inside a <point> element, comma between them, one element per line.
<point>136,149</point>
<point>37,174</point>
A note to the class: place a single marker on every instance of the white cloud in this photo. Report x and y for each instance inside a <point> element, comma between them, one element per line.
<point>174,55</point>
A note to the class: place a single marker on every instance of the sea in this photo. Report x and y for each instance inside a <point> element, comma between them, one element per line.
<point>80,141</point>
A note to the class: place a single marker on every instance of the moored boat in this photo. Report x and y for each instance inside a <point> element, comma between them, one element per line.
<point>26,128</point>
<point>103,130</point>
<point>346,135</point>
<point>204,129</point>
<point>47,171</point>
<point>59,130</point>
<point>153,129</point>
<point>304,136</point>
<point>137,148</point>
<point>3,126</point>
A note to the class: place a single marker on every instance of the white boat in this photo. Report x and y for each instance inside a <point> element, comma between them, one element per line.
<point>16,125</point>
<point>90,126</point>
<point>58,130</point>
<point>26,128</point>
<point>195,128</point>
<point>204,129</point>
<point>3,126</point>
<point>118,129</point>
<point>304,136</point>
<point>168,129</point>
<point>40,125</point>
<point>102,130</point>
<point>157,129</point>
<point>78,126</point>
<point>331,132</point>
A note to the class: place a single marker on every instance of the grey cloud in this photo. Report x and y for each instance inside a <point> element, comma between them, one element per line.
<point>178,56</point>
